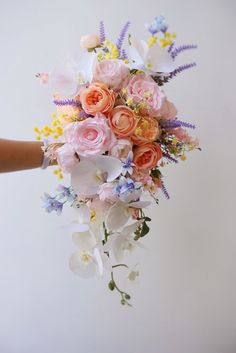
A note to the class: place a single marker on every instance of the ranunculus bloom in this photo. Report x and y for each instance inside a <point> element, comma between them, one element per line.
<point>121,149</point>
<point>143,90</point>
<point>147,156</point>
<point>91,136</point>
<point>112,72</point>
<point>66,157</point>
<point>90,41</point>
<point>147,130</point>
<point>168,110</point>
<point>122,120</point>
<point>97,98</point>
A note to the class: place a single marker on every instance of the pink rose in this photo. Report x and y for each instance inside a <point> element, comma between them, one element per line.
<point>66,157</point>
<point>144,90</point>
<point>106,193</point>
<point>112,72</point>
<point>90,41</point>
<point>121,148</point>
<point>168,110</point>
<point>91,136</point>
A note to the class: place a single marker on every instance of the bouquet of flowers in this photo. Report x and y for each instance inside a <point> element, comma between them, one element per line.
<point>113,132</point>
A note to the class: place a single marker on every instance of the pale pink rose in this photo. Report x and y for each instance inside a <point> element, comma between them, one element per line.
<point>90,41</point>
<point>168,110</point>
<point>66,157</point>
<point>113,72</point>
<point>142,89</point>
<point>106,193</point>
<point>91,136</point>
<point>121,149</point>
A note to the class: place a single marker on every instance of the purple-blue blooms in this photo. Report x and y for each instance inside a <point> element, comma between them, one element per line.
<point>158,25</point>
<point>66,192</point>
<point>128,164</point>
<point>51,204</point>
<point>126,186</point>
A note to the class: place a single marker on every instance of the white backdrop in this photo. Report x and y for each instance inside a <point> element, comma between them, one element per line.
<point>185,301</point>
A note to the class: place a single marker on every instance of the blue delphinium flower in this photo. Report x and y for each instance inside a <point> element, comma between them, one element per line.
<point>161,23</point>
<point>126,186</point>
<point>51,204</point>
<point>158,25</point>
<point>128,164</point>
<point>66,192</point>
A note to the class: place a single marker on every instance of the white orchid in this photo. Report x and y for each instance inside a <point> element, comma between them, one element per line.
<point>119,213</point>
<point>90,258</point>
<point>122,241</point>
<point>149,59</point>
<point>67,79</point>
<point>93,171</point>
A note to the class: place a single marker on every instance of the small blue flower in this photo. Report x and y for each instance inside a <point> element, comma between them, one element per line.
<point>126,186</point>
<point>128,164</point>
<point>51,204</point>
<point>66,192</point>
<point>158,25</point>
<point>161,23</point>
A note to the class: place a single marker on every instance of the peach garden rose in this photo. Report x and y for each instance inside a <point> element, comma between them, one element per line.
<point>147,156</point>
<point>147,130</point>
<point>122,121</point>
<point>97,98</point>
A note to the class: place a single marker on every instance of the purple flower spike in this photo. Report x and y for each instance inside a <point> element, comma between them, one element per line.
<point>122,35</point>
<point>172,124</point>
<point>102,31</point>
<point>165,192</point>
<point>180,49</point>
<point>67,102</point>
<point>169,157</point>
<point>181,68</point>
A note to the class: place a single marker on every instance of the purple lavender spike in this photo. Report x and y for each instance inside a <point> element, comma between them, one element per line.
<point>67,102</point>
<point>121,38</point>
<point>102,31</point>
<point>83,114</point>
<point>165,192</point>
<point>182,48</point>
<point>171,47</point>
<point>169,157</point>
<point>172,124</point>
<point>181,68</point>
<point>123,55</point>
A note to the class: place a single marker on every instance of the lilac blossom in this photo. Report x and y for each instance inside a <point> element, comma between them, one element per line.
<point>128,164</point>
<point>51,204</point>
<point>66,192</point>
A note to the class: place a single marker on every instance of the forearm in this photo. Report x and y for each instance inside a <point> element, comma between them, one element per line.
<point>20,155</point>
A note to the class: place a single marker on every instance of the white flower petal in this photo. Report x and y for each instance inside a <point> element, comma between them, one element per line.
<point>83,178</point>
<point>98,258</point>
<point>84,240</point>
<point>83,264</point>
<point>110,165</point>
<point>75,227</point>
<point>117,216</point>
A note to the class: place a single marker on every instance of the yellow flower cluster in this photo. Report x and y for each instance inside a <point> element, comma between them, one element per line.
<point>58,172</point>
<point>112,53</point>
<point>167,40</point>
<point>55,129</point>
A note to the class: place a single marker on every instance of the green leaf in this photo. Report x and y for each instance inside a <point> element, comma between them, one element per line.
<point>145,229</point>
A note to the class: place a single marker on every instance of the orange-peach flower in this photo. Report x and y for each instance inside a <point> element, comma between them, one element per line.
<point>147,130</point>
<point>97,98</point>
<point>147,156</point>
<point>122,121</point>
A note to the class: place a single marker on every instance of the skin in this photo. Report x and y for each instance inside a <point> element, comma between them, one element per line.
<point>20,155</point>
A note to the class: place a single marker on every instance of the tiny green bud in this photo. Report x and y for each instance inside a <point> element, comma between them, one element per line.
<point>122,301</point>
<point>111,285</point>
<point>127,296</point>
